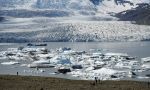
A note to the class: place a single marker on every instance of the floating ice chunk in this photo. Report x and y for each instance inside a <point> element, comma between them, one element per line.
<point>34,71</point>
<point>2,56</point>
<point>41,70</point>
<point>77,73</point>
<point>103,74</point>
<point>89,69</point>
<point>14,57</point>
<point>39,65</point>
<point>28,49</point>
<point>140,77</point>
<point>122,65</point>
<point>145,60</point>
<point>116,54</point>
<point>41,62</point>
<point>24,65</point>
<point>131,74</point>
<point>97,54</point>
<point>147,65</point>
<point>105,71</point>
<point>69,52</point>
<point>55,73</point>
<point>10,63</point>
<point>62,59</point>
<point>99,63</point>
<point>45,55</point>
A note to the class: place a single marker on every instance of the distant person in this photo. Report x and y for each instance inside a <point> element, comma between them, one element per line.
<point>99,81</point>
<point>17,73</point>
<point>96,79</point>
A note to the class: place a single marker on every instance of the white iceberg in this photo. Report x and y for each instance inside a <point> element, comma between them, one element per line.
<point>102,74</point>
<point>105,71</point>
<point>145,60</point>
<point>146,66</point>
<point>10,63</point>
<point>60,59</point>
<point>41,62</point>
<point>116,54</point>
<point>38,65</point>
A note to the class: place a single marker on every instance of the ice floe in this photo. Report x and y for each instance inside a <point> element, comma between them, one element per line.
<point>10,63</point>
<point>81,64</point>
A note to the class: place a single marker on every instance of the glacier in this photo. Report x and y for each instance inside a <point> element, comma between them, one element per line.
<point>68,20</point>
<point>48,29</point>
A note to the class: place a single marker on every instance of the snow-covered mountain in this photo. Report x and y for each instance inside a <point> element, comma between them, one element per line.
<point>68,20</point>
<point>75,6</point>
<point>140,14</point>
<point>116,6</point>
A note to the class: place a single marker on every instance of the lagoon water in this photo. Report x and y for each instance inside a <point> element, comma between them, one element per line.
<point>136,49</point>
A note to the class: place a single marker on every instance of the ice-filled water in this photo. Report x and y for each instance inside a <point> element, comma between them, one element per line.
<point>136,49</point>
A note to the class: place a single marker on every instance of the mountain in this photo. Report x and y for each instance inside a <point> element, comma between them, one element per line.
<point>73,20</point>
<point>67,7</point>
<point>140,14</point>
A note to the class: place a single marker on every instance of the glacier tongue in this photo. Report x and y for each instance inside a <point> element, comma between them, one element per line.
<point>48,29</point>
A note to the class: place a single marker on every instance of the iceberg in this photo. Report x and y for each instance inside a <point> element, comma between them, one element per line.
<point>145,60</point>
<point>102,74</point>
<point>10,63</point>
<point>87,66</point>
<point>116,54</point>
<point>39,65</point>
<point>41,62</point>
<point>60,59</point>
<point>146,66</point>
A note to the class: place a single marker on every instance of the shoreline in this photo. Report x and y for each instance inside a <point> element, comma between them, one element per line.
<point>12,82</point>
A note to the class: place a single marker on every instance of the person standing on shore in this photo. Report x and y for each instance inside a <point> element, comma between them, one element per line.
<point>96,79</point>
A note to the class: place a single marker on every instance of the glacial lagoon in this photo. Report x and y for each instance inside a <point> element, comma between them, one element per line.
<point>137,50</point>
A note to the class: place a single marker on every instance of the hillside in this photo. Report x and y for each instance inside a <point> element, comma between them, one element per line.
<point>141,14</point>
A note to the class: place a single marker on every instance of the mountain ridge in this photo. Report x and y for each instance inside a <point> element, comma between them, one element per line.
<point>103,6</point>
<point>140,14</point>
